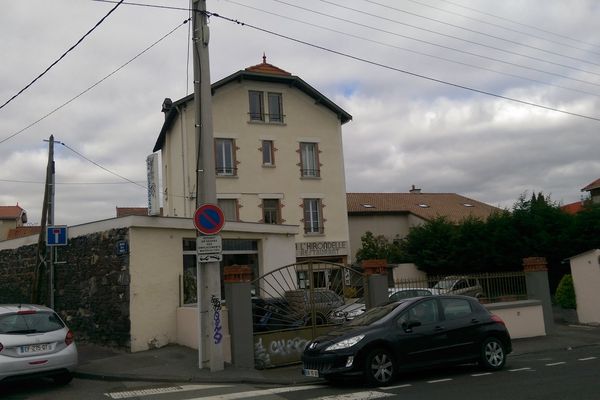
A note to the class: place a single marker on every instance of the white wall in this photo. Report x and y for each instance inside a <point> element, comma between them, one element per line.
<point>585,269</point>
<point>523,319</point>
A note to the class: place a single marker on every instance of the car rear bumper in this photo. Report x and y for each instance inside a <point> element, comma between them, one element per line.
<point>39,365</point>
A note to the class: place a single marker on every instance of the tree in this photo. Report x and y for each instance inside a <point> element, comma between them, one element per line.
<point>430,246</point>
<point>378,247</point>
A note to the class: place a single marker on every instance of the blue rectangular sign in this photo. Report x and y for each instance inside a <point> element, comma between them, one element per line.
<point>56,235</point>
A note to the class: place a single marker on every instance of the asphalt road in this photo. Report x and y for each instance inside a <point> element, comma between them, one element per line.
<point>564,374</point>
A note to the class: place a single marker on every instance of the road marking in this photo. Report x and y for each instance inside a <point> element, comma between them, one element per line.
<point>556,363</point>
<point>256,393</point>
<point>355,396</point>
<point>395,387</point>
<point>482,374</point>
<point>587,359</point>
<point>440,380</point>
<point>160,390</point>
<point>519,369</point>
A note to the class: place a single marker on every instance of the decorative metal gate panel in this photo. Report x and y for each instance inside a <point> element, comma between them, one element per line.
<point>298,302</point>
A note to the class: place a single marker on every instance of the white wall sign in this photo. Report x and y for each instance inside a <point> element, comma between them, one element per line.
<point>321,249</point>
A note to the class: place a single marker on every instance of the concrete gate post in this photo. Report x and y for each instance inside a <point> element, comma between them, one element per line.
<point>538,288</point>
<point>239,306</point>
<point>377,281</point>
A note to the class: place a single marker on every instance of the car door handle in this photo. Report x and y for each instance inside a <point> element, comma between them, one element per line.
<point>474,321</point>
<point>439,328</point>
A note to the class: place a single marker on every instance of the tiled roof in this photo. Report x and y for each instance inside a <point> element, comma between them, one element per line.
<point>23,231</point>
<point>572,208</point>
<point>125,211</point>
<point>10,212</point>
<point>425,205</point>
<point>591,186</point>
<point>266,68</point>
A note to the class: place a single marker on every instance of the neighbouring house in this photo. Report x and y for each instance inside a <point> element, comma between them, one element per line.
<point>393,214</point>
<point>278,155</point>
<point>11,217</point>
<point>594,197</point>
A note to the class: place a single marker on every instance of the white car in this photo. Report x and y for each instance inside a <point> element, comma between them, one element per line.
<point>34,342</point>
<point>356,307</point>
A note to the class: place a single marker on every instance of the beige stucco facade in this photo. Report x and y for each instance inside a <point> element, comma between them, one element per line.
<point>304,120</point>
<point>156,267</point>
<point>585,269</point>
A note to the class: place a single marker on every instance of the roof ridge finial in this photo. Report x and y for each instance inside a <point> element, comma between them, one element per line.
<point>264,58</point>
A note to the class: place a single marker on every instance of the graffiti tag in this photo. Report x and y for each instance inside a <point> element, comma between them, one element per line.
<point>216,303</point>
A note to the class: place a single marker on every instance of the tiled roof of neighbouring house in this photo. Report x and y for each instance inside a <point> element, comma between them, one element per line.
<point>591,186</point>
<point>10,212</point>
<point>425,205</point>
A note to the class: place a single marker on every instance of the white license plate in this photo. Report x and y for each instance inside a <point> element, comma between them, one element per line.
<point>35,348</point>
<point>311,372</point>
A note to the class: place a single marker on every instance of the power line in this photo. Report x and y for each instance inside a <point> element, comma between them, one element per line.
<point>101,167</point>
<point>356,58</point>
<point>466,40</point>
<point>476,31</point>
<point>507,28</point>
<point>94,85</point>
<point>426,54</point>
<point>520,23</point>
<point>62,56</point>
<point>64,183</point>
<point>429,43</point>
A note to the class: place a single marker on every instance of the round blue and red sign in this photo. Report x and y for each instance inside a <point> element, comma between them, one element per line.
<point>209,219</point>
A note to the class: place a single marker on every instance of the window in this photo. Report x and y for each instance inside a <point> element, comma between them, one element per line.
<point>426,312</point>
<point>313,221</point>
<point>456,308</point>
<point>235,252</point>
<point>268,155</point>
<point>189,271</point>
<point>257,112</point>
<point>271,211</point>
<point>275,107</point>
<point>225,157</point>
<point>309,160</point>
<point>229,208</point>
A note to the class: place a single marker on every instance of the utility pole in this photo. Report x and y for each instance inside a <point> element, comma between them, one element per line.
<point>40,268</point>
<point>210,348</point>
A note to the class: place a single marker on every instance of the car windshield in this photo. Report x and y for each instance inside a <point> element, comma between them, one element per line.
<point>38,322</point>
<point>374,314</point>
<point>444,284</point>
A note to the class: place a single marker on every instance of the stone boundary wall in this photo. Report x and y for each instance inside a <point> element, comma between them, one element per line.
<point>91,286</point>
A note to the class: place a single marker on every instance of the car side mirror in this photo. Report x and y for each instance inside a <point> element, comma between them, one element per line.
<point>408,325</point>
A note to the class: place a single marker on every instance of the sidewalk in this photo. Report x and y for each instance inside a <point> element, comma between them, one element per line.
<point>175,363</point>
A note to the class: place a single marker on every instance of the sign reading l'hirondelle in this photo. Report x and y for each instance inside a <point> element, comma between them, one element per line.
<point>320,249</point>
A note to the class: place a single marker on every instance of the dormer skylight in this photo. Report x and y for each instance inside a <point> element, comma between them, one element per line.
<point>424,205</point>
<point>368,205</point>
<point>468,205</point>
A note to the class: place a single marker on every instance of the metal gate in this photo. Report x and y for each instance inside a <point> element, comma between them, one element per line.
<point>298,302</point>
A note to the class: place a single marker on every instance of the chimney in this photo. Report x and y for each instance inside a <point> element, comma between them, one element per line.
<point>166,106</point>
<point>414,190</point>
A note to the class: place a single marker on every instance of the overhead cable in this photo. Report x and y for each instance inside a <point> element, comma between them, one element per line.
<point>62,56</point>
<point>356,58</point>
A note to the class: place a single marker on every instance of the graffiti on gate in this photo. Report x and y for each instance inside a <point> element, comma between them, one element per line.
<point>272,350</point>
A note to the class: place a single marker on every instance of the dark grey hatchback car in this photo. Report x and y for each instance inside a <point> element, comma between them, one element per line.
<point>410,334</point>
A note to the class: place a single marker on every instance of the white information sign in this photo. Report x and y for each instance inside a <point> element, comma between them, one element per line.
<point>209,248</point>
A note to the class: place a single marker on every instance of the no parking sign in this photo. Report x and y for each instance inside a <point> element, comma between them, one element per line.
<point>209,219</point>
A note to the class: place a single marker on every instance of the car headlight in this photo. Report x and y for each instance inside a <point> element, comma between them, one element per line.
<point>355,313</point>
<point>344,344</point>
<point>338,314</point>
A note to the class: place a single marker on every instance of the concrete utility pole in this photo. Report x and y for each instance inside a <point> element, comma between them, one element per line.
<point>210,348</point>
<point>40,269</point>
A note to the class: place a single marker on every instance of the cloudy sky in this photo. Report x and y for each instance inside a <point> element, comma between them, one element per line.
<point>403,69</point>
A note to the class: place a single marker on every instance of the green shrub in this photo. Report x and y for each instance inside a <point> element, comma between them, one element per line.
<point>565,293</point>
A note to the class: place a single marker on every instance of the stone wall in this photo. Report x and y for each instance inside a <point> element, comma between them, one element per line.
<point>91,286</point>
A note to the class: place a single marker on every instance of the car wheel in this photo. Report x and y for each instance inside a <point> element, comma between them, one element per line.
<point>493,356</point>
<point>379,367</point>
<point>63,378</point>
